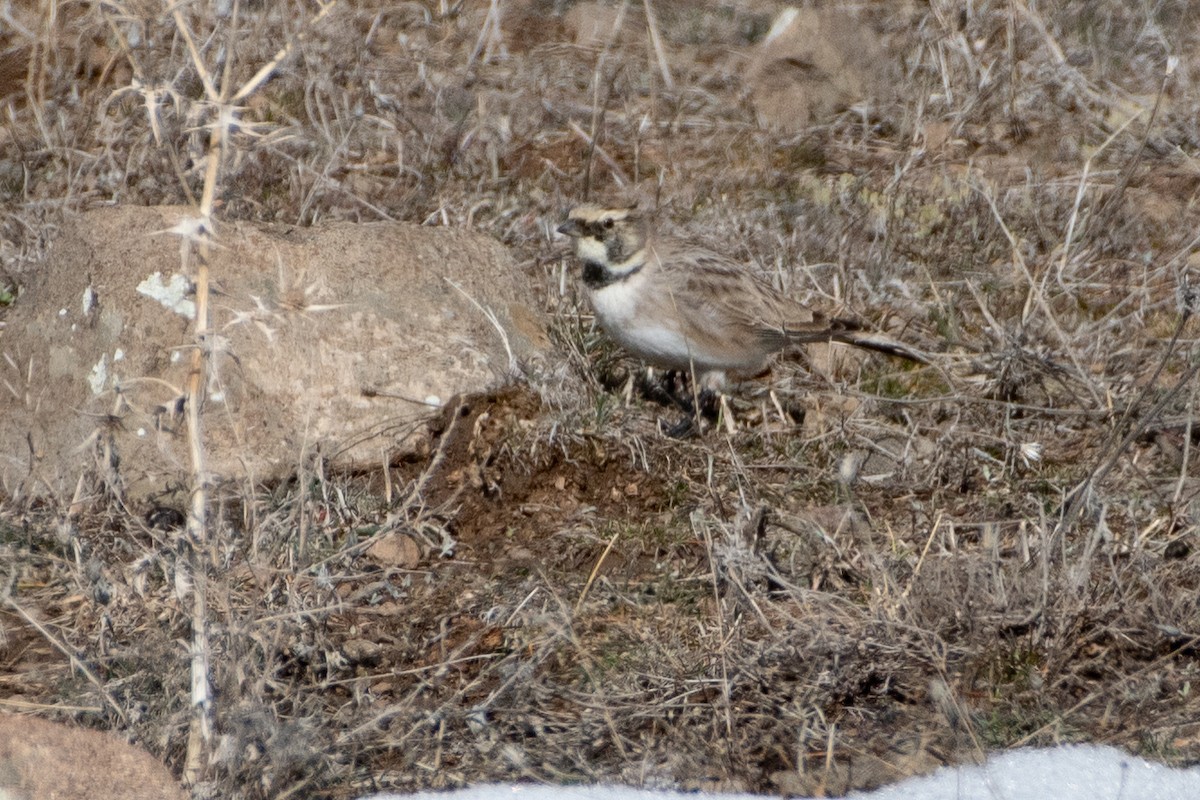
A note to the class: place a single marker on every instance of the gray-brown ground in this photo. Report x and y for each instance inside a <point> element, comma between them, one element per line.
<point>927,565</point>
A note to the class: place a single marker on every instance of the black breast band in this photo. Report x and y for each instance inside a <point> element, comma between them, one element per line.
<point>597,276</point>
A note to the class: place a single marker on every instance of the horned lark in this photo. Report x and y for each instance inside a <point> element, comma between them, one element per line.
<point>681,307</point>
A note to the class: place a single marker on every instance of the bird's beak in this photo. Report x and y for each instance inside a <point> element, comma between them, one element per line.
<point>571,228</point>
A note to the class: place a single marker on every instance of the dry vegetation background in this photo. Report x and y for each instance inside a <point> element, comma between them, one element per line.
<point>928,565</point>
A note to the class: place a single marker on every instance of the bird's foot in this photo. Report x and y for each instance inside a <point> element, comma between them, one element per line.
<point>702,411</point>
<point>661,389</point>
<point>685,428</point>
<point>702,408</point>
<point>710,404</point>
<point>670,388</point>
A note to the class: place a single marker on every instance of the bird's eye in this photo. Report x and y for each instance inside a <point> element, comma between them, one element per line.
<point>608,223</point>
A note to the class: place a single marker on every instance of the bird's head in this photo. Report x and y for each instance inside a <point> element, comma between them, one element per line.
<point>611,238</point>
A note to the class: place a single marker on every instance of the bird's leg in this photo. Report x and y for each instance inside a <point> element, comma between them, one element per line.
<point>702,408</point>
<point>710,404</point>
<point>685,428</point>
<point>658,389</point>
<point>675,388</point>
<point>671,388</point>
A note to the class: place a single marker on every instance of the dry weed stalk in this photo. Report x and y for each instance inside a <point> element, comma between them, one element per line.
<point>198,235</point>
<point>599,107</point>
<point>1125,432</point>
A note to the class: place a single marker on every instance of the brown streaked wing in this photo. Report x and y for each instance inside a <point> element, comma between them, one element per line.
<point>707,292</point>
<point>748,306</point>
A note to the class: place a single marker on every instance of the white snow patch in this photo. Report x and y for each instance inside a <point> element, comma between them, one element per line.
<point>1072,772</point>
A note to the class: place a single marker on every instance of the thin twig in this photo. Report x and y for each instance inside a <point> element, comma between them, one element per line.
<point>66,651</point>
<point>656,43</point>
<point>599,107</point>
<point>1117,444</point>
<point>587,587</point>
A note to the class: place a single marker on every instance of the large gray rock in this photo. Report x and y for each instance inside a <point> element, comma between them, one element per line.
<point>42,760</point>
<point>813,64</point>
<point>334,339</point>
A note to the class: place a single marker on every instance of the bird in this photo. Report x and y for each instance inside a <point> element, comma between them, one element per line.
<point>682,307</point>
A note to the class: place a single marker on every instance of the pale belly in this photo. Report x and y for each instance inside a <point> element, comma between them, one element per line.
<point>632,323</point>
<point>656,335</point>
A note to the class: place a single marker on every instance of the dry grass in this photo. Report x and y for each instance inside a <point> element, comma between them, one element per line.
<point>934,563</point>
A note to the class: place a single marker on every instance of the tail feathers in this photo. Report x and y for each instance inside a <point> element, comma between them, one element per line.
<point>879,343</point>
<point>850,331</point>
